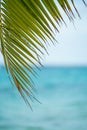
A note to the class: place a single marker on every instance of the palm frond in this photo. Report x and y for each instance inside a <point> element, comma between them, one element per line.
<point>25,28</point>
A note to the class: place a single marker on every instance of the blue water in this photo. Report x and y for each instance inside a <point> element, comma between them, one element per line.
<point>62,92</point>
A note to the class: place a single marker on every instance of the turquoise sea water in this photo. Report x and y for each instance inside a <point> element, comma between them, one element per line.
<point>63,94</point>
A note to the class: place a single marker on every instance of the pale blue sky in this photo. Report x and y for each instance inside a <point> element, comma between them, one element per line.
<point>72,43</point>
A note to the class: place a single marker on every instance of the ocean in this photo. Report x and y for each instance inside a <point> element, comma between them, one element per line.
<point>62,92</point>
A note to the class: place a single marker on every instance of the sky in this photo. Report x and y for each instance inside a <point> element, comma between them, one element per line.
<point>72,43</point>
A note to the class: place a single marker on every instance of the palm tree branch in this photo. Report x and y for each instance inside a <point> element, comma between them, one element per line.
<point>26,26</point>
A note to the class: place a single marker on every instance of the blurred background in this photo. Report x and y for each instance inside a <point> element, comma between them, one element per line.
<point>61,86</point>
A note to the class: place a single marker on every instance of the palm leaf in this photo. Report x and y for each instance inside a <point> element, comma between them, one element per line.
<point>25,28</point>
